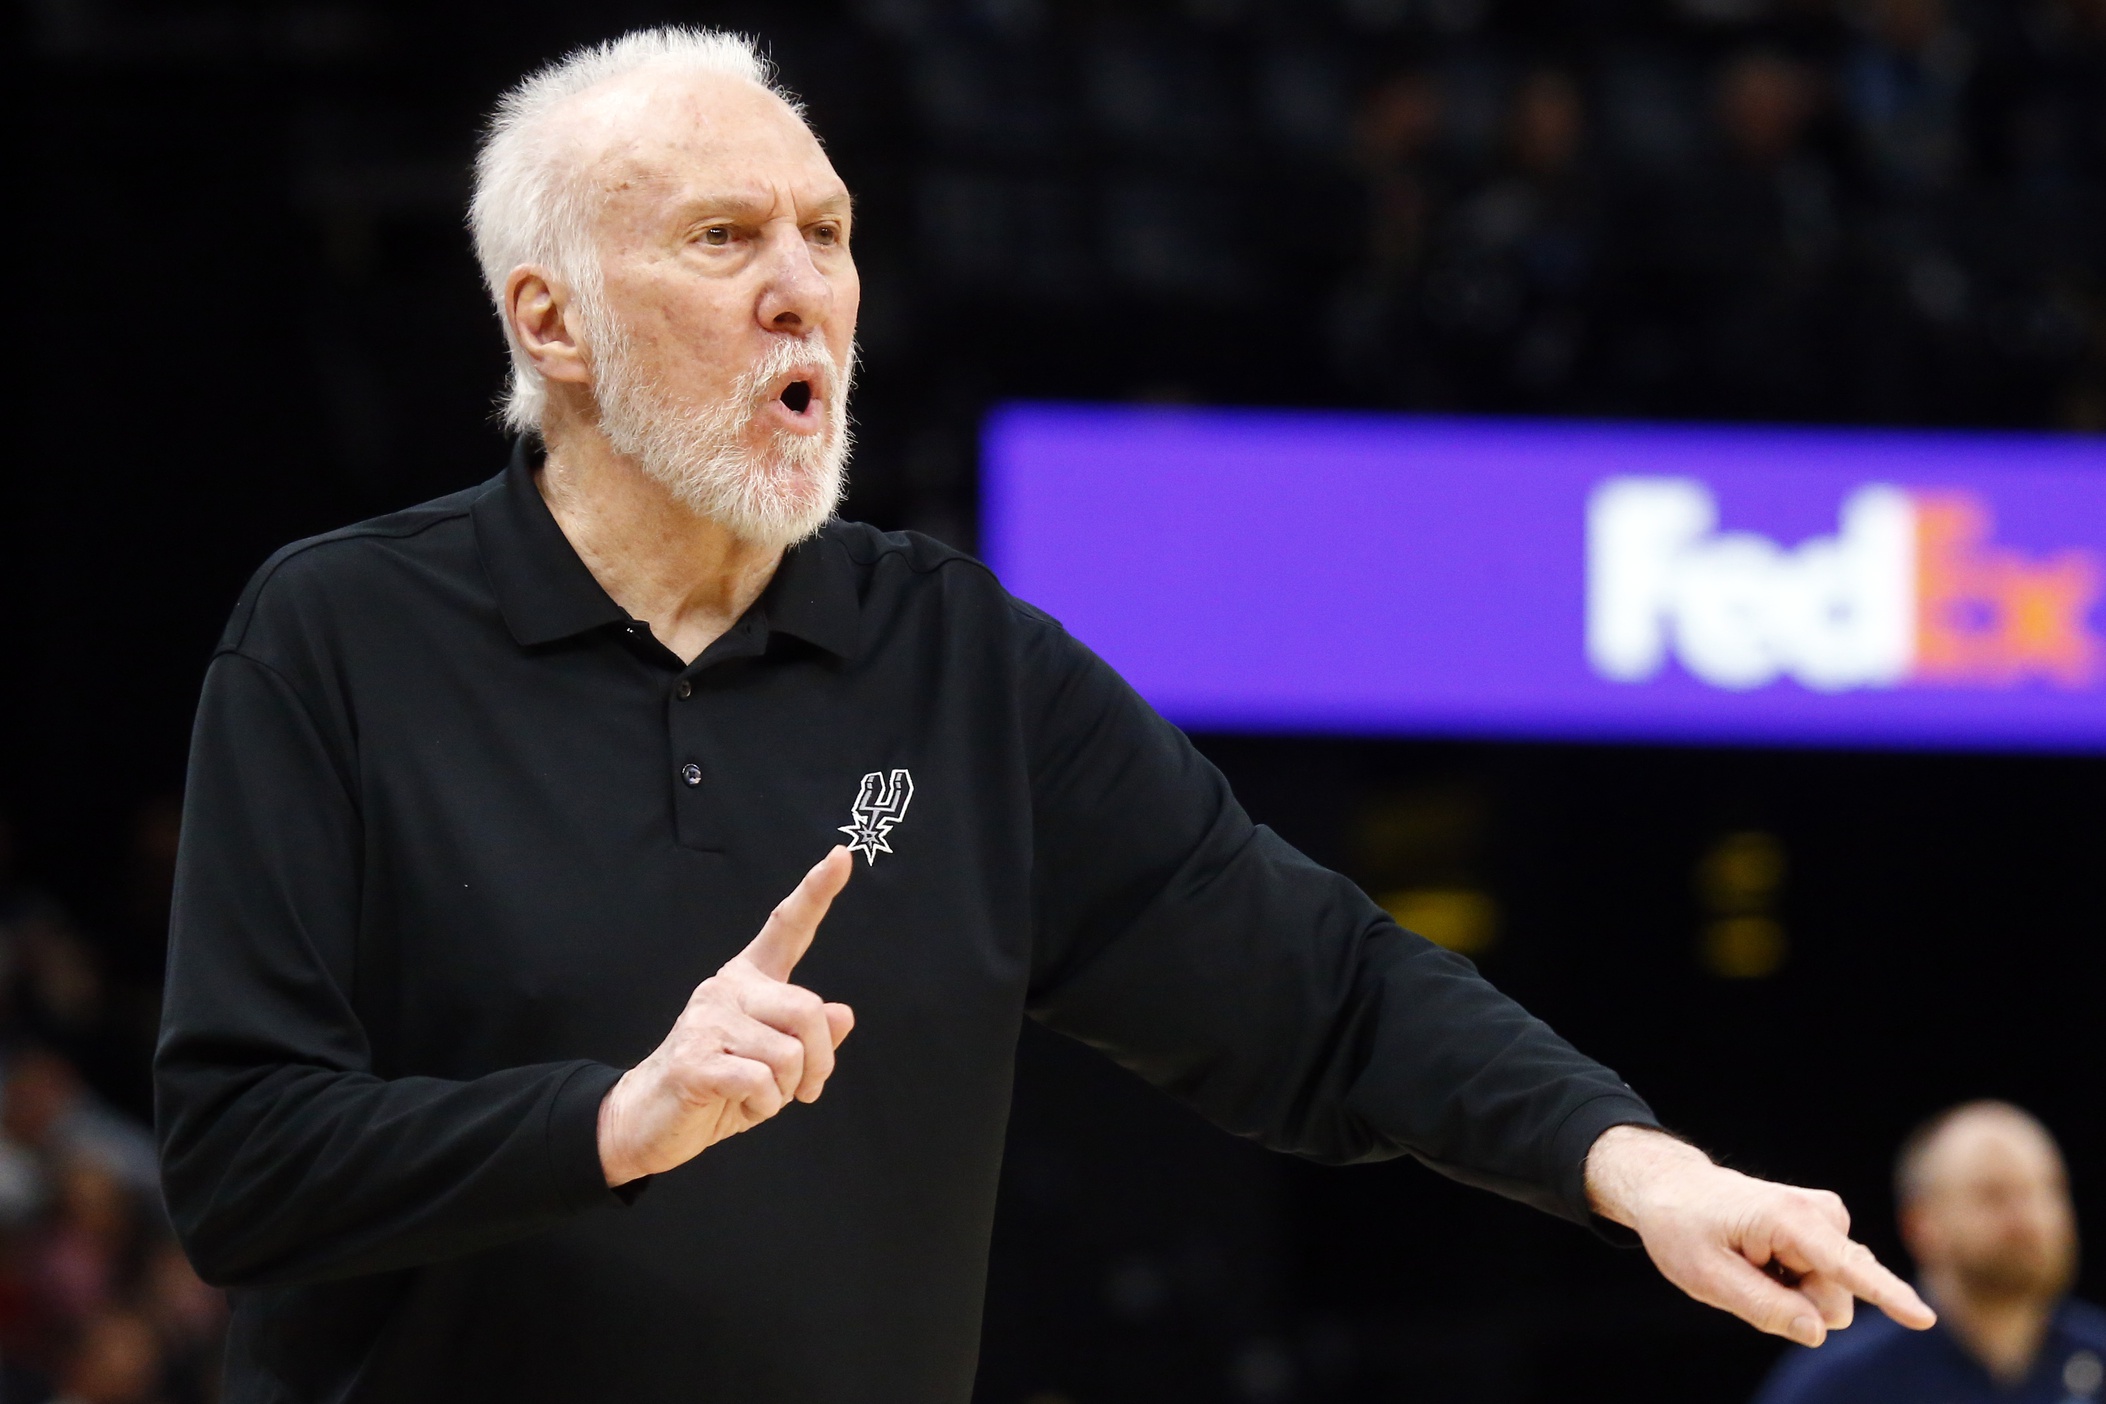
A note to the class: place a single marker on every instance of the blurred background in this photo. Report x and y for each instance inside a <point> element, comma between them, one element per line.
<point>250,315</point>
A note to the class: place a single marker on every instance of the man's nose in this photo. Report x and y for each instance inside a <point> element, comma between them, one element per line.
<point>795,297</point>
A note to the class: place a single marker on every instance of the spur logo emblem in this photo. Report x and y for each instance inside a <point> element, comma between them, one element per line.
<point>880,804</point>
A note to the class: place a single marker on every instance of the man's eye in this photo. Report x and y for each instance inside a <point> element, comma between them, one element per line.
<point>827,234</point>
<point>716,235</point>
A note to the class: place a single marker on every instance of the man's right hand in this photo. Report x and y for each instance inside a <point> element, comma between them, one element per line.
<point>747,1042</point>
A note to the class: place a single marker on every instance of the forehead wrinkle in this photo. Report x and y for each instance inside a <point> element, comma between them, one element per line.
<point>656,127</point>
<point>759,200</point>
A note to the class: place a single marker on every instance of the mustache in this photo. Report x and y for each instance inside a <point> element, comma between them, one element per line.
<point>805,358</point>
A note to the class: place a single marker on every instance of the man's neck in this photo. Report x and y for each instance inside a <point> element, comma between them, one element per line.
<point>2003,1333</point>
<point>679,571</point>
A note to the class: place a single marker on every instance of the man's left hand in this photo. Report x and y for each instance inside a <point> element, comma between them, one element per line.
<point>1778,1257</point>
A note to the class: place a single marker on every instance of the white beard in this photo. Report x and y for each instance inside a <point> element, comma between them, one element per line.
<point>776,496</point>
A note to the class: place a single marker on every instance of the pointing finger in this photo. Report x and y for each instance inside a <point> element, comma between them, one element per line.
<point>788,933</point>
<point>1869,1280</point>
<point>1819,1250</point>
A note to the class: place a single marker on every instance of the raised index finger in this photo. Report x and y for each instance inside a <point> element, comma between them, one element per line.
<point>788,933</point>
<point>1822,1250</point>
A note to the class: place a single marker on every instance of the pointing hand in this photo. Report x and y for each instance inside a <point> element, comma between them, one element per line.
<point>1778,1257</point>
<point>747,1042</point>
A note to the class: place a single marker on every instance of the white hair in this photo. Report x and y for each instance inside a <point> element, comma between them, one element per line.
<point>531,201</point>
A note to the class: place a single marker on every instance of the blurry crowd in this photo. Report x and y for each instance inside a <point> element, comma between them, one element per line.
<point>1892,209</point>
<point>1887,211</point>
<point>97,1303</point>
<point>1781,209</point>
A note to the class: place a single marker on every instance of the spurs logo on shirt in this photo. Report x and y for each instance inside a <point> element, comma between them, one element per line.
<point>880,805</point>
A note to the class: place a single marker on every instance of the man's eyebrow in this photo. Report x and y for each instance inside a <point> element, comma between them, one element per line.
<point>753,203</point>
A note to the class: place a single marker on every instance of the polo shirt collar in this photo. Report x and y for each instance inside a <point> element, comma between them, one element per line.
<point>813,595</point>
<point>544,590</point>
<point>547,593</point>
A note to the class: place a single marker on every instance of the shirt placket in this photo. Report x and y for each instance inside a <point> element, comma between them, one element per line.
<point>700,781</point>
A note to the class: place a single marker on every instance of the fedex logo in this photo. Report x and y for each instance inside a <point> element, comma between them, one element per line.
<point>1911,590</point>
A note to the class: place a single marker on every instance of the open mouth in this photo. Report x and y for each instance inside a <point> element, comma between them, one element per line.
<point>797,396</point>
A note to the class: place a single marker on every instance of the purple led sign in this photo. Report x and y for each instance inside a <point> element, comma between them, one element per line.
<point>1293,571</point>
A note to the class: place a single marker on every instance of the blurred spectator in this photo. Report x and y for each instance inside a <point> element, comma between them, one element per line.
<point>2042,91</point>
<point>1985,1211</point>
<point>1396,139</point>
<point>1907,90</point>
<point>94,1293</point>
<point>95,1001</point>
<point>116,1360</point>
<point>50,1115</point>
<point>49,985</point>
<point>190,1318</point>
<point>24,1326</point>
<point>1511,291</point>
<point>84,1247</point>
<point>88,1246</point>
<point>1765,103</point>
<point>1476,292</point>
<point>1396,149</point>
<point>1755,240</point>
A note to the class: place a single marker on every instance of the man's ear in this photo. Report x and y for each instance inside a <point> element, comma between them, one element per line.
<point>537,307</point>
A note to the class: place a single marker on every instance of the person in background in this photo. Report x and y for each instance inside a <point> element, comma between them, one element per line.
<point>1906,91</point>
<point>1376,341</point>
<point>117,1360</point>
<point>50,987</point>
<point>191,1319</point>
<point>1397,143</point>
<point>83,1255</point>
<point>1985,1211</point>
<point>98,1305</point>
<point>1751,245</point>
<point>1512,282</point>
<point>48,1115</point>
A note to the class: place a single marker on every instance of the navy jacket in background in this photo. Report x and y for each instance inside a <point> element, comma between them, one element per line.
<point>1877,1362</point>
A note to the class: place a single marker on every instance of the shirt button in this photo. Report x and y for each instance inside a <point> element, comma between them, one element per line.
<point>683,689</point>
<point>691,773</point>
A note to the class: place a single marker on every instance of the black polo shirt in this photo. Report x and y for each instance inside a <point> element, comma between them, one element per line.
<point>460,838</point>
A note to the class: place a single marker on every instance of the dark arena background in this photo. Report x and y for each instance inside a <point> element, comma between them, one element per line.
<point>248,313</point>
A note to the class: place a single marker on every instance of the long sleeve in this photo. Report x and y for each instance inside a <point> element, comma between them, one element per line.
<point>1206,954</point>
<point>285,1158</point>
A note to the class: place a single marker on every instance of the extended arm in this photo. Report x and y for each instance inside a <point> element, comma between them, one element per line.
<point>1207,955</point>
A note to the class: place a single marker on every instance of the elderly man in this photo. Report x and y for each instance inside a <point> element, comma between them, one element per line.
<point>489,799</point>
<point>1985,1211</point>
